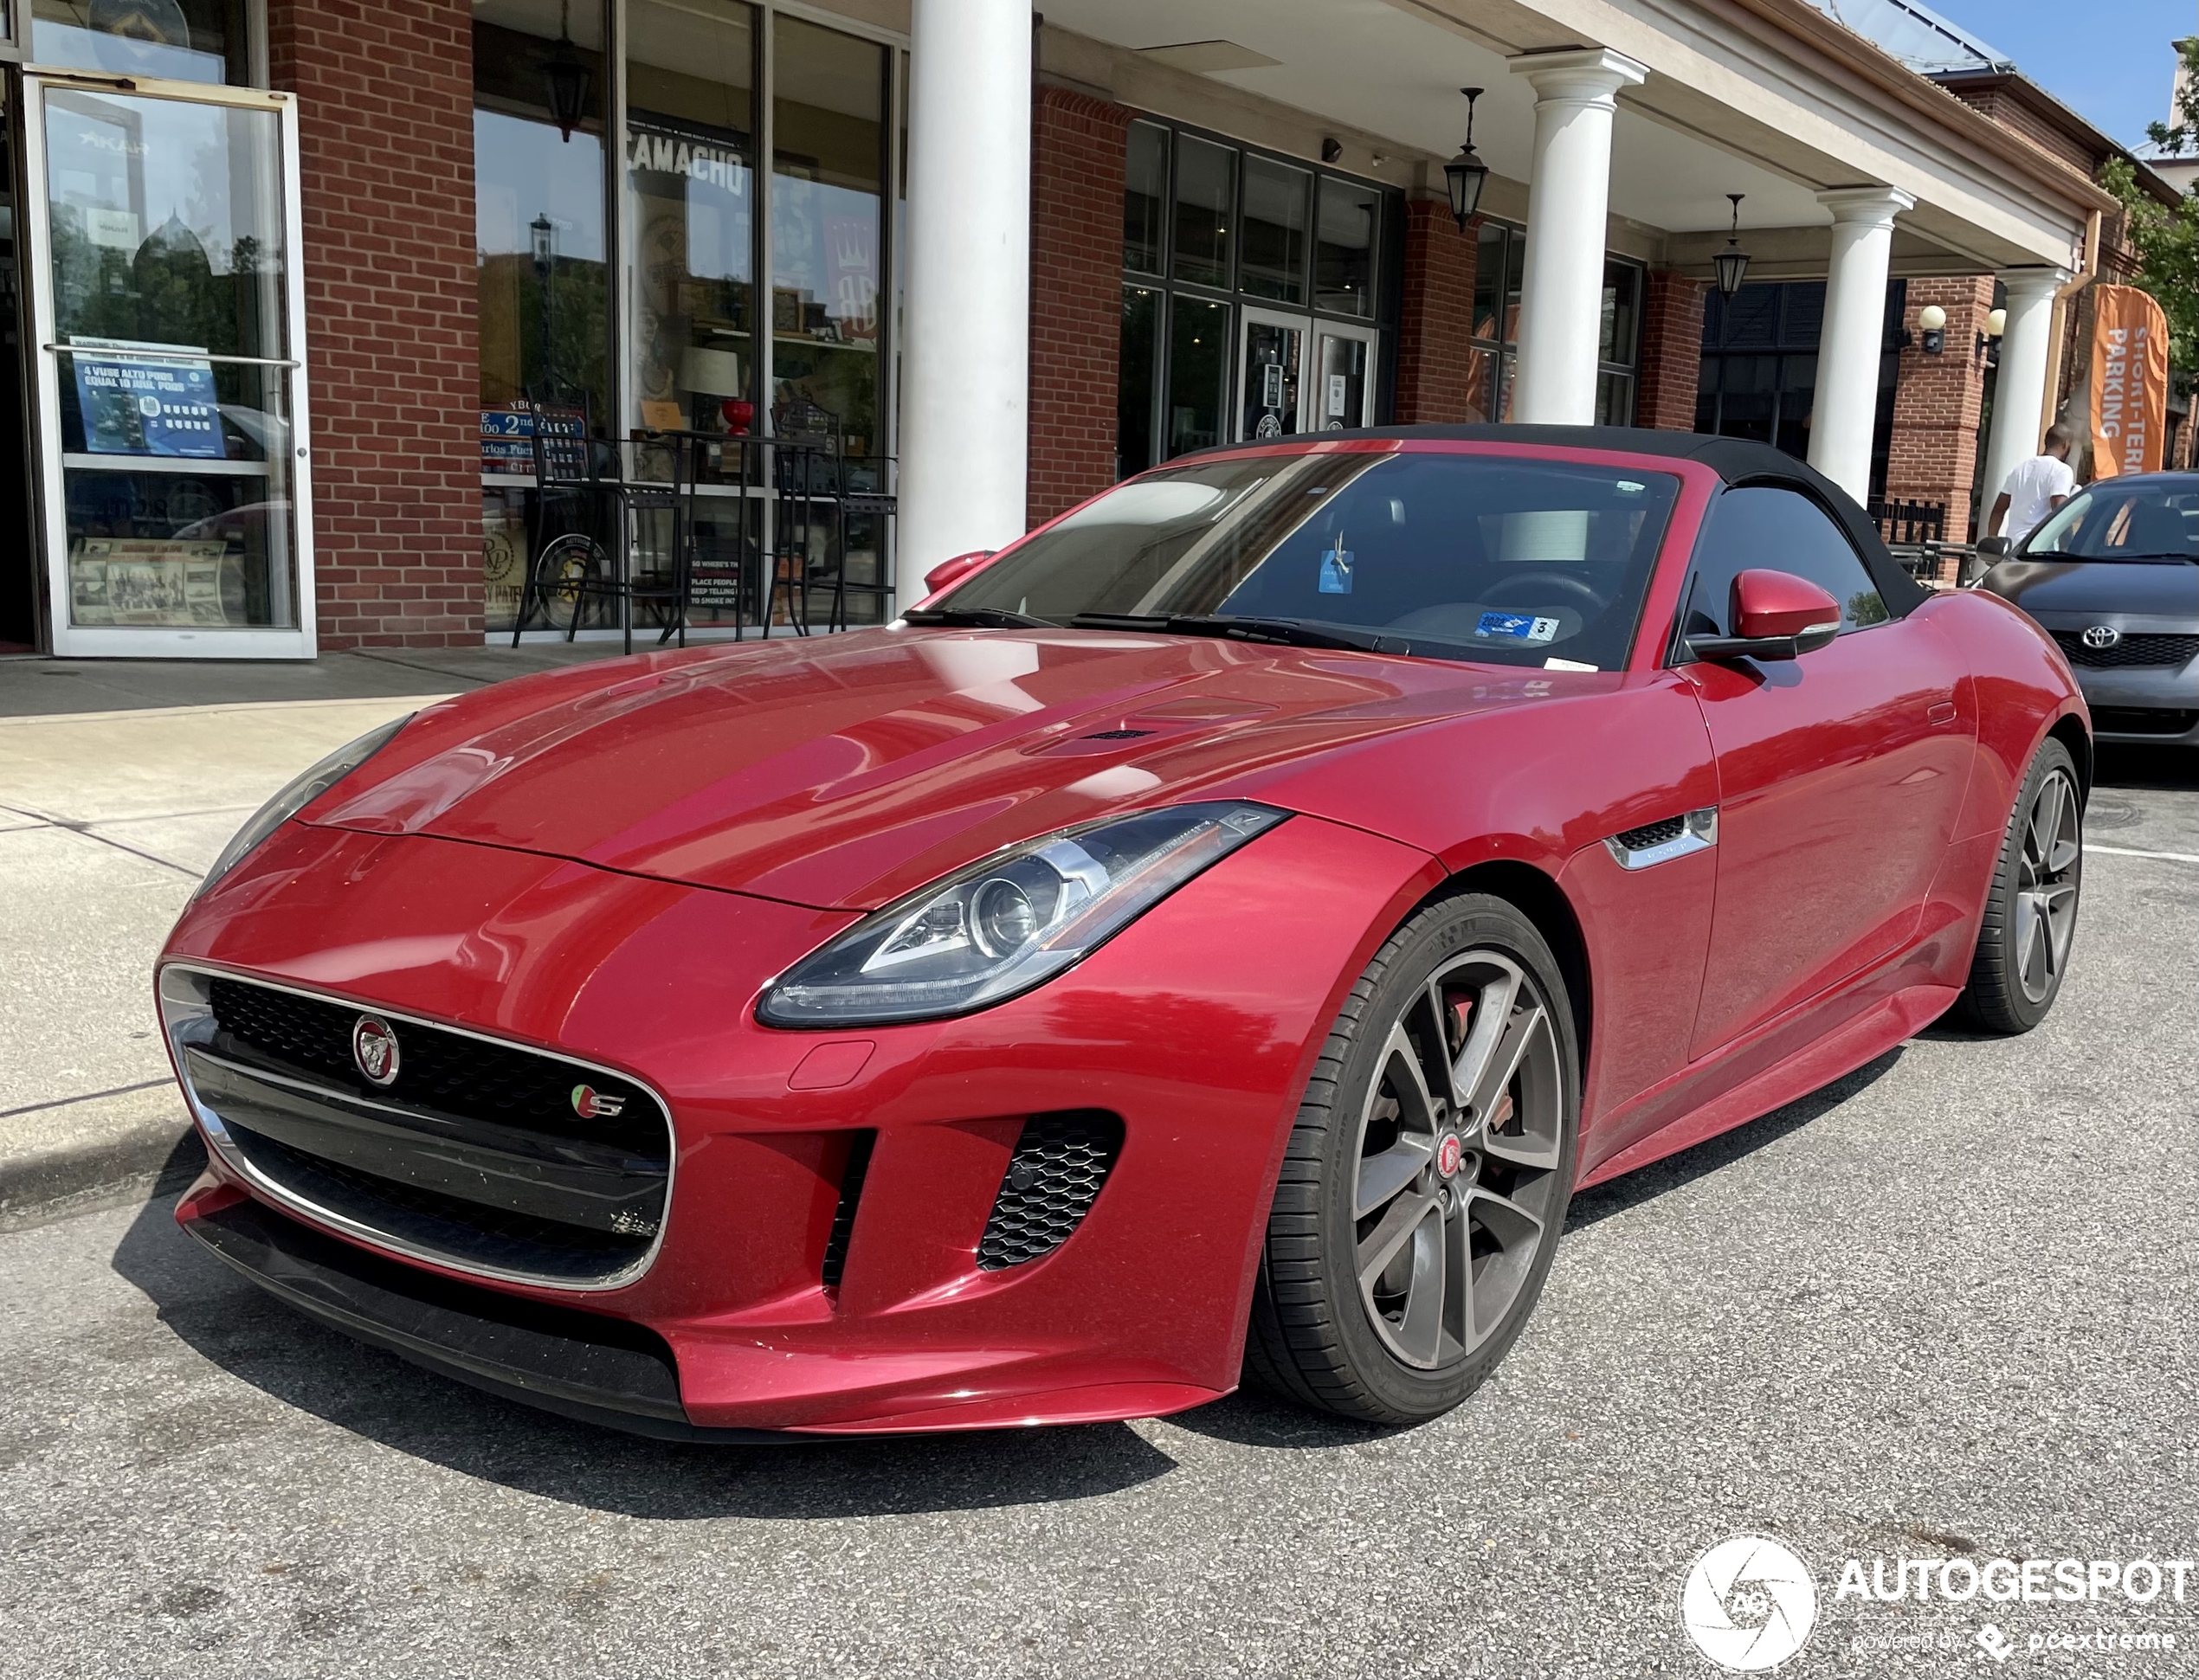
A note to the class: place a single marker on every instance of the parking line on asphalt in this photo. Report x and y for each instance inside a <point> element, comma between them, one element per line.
<point>2124,852</point>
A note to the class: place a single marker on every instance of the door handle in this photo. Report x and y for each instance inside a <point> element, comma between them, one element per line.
<point>1942,714</point>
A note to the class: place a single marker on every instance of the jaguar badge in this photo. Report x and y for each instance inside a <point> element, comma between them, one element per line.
<point>591,1103</point>
<point>374,1047</point>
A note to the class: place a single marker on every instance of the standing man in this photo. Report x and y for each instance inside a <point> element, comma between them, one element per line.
<point>2036,487</point>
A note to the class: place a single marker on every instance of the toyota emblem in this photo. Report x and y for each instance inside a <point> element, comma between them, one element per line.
<point>2102,635</point>
<point>374,1047</point>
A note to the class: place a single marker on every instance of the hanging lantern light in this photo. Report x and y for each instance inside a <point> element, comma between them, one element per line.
<point>568,80</point>
<point>1733,262</point>
<point>1465,174</point>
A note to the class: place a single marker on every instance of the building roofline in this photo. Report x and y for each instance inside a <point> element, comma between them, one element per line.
<point>2036,99</point>
<point>1885,74</point>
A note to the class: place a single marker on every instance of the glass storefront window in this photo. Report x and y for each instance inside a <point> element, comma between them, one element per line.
<point>1617,343</point>
<point>1344,250</point>
<point>1273,264</point>
<point>1134,392</point>
<point>168,273</point>
<point>179,40</point>
<point>1198,373</point>
<point>543,257</point>
<point>689,163</point>
<point>1499,262</point>
<point>1206,204</point>
<point>1145,197</point>
<point>828,170</point>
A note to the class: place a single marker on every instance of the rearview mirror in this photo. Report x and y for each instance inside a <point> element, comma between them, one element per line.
<point>1774,616</point>
<point>949,571</point>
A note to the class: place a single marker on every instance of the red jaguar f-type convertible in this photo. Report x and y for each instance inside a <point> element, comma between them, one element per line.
<point>1211,937</point>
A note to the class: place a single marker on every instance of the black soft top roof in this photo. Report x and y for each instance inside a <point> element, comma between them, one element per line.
<point>1736,461</point>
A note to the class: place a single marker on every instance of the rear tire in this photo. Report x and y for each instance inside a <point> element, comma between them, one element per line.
<point>1427,1175</point>
<point>2030,921</point>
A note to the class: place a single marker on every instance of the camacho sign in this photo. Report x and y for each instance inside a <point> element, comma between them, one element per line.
<point>2129,385</point>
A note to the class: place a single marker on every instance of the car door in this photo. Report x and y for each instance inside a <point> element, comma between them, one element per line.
<point>1840,773</point>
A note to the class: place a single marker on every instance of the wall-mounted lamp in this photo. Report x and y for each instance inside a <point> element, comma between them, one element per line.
<point>1332,148</point>
<point>1989,341</point>
<point>567,78</point>
<point>1465,174</point>
<point>1932,319</point>
<point>1733,262</point>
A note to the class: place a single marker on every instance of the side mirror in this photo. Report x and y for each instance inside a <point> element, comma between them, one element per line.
<point>1994,547</point>
<point>950,571</point>
<point>1776,616</point>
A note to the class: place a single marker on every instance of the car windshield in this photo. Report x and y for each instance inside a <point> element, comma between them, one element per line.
<point>1484,557</point>
<point>2152,519</point>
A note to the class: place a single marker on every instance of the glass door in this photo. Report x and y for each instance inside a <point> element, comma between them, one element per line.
<point>165,302</point>
<point>1344,385</point>
<point>1271,369</point>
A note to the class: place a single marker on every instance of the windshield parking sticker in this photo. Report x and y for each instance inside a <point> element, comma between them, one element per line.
<point>1515,627</point>
<point>1336,569</point>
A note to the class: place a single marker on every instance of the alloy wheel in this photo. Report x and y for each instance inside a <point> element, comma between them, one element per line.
<point>1456,1187</point>
<point>2045,885</point>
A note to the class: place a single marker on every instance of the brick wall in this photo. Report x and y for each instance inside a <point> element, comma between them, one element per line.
<point>1435,324</point>
<point>386,135</point>
<point>1672,352</point>
<point>1077,149</point>
<point>1933,455</point>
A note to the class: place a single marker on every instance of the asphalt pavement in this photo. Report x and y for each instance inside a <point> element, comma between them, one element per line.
<point>1941,1310</point>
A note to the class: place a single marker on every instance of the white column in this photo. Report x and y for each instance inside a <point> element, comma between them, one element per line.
<point>1849,343</point>
<point>966,357</point>
<point>2019,387</point>
<point>1561,290</point>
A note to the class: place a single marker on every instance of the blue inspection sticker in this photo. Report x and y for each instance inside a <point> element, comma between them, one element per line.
<point>1516,627</point>
<point>1336,571</point>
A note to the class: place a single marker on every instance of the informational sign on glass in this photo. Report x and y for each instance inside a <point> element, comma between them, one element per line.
<point>136,404</point>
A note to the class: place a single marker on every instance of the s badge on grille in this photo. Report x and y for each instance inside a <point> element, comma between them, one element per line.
<point>591,1103</point>
<point>2102,636</point>
<point>374,1047</point>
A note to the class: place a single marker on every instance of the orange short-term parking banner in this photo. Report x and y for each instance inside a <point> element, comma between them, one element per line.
<point>2129,390</point>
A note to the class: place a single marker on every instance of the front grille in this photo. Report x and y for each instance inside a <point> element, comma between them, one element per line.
<point>2133,650</point>
<point>2141,720</point>
<point>1060,1164</point>
<point>486,1155</point>
<point>1653,833</point>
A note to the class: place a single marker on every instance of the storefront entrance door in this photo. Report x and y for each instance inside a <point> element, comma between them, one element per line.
<point>1344,385</point>
<point>165,300</point>
<point>1271,374</point>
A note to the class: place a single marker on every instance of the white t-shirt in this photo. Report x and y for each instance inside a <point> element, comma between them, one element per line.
<point>2031,490</point>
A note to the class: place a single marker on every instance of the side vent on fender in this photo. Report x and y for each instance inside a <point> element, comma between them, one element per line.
<point>843,1217</point>
<point>1052,1181</point>
<point>1661,842</point>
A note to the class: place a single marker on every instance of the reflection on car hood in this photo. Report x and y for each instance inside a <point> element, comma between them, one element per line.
<point>843,771</point>
<point>2169,588</point>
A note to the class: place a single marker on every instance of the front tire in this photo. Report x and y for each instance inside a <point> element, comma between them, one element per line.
<point>2030,917</point>
<point>1428,1174</point>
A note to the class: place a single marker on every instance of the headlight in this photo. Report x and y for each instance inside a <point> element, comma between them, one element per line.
<point>299,795</point>
<point>1004,925</point>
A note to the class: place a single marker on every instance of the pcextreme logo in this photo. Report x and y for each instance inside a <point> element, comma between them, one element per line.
<point>1749,1604</point>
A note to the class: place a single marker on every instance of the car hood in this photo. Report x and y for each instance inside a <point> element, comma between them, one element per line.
<point>842,772</point>
<point>2167,589</point>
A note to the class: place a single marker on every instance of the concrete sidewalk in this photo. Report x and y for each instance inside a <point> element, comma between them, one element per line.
<point>119,783</point>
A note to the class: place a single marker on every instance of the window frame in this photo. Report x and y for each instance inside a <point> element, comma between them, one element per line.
<point>1385,254</point>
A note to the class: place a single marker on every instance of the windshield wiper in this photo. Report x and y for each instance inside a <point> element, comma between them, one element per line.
<point>978,618</point>
<point>2064,554</point>
<point>1289,632</point>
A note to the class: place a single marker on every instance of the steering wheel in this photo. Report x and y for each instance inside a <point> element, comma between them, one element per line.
<point>1561,580</point>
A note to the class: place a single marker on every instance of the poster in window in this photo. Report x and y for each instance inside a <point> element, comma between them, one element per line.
<point>151,582</point>
<point>139,404</point>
